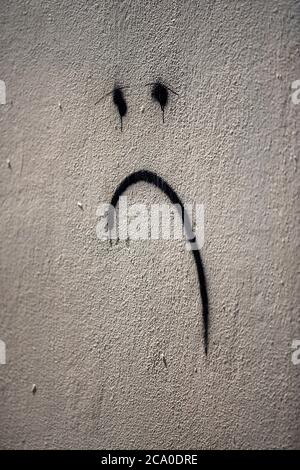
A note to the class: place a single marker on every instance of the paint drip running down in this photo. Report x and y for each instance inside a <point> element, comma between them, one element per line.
<point>160,93</point>
<point>120,103</point>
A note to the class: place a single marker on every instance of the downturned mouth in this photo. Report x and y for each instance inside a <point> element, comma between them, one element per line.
<point>157,181</point>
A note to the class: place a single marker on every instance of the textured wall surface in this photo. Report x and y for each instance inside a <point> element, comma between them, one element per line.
<point>87,322</point>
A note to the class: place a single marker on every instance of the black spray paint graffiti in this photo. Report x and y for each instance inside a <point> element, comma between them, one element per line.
<point>160,93</point>
<point>154,179</point>
<point>119,102</point>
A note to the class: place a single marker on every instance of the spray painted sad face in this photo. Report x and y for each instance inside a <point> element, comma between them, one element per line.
<point>160,95</point>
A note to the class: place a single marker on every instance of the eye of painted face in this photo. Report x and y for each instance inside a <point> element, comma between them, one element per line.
<point>119,101</point>
<point>160,94</point>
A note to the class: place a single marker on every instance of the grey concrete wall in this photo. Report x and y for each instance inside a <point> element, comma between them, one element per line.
<point>86,322</point>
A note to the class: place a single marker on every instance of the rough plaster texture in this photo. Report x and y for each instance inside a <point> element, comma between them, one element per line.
<point>87,322</point>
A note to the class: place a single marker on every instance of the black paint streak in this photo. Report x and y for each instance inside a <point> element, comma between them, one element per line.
<point>154,179</point>
<point>160,93</point>
<point>119,102</point>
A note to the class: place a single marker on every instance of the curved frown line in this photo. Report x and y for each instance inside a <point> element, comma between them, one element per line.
<point>154,179</point>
